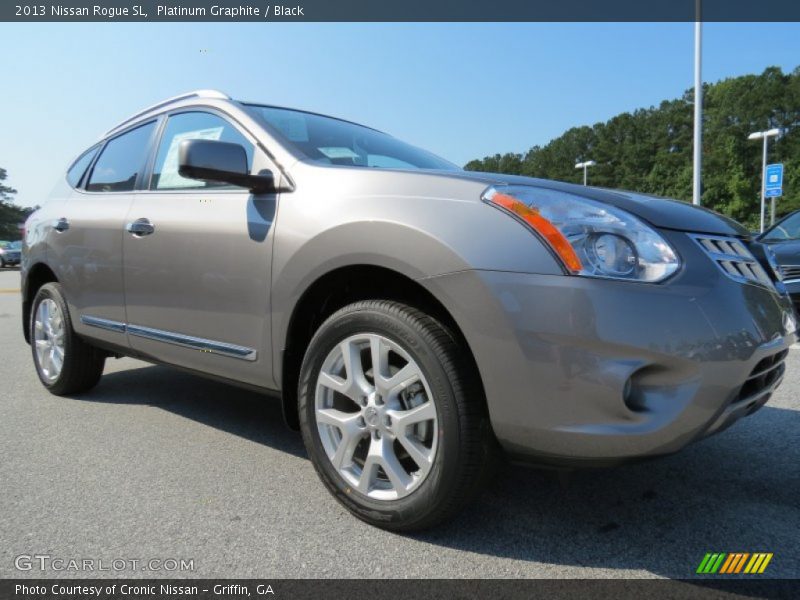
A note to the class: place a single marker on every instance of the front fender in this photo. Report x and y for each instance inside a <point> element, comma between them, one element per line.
<point>414,235</point>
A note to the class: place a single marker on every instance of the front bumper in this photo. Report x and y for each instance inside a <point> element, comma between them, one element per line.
<point>11,259</point>
<point>590,371</point>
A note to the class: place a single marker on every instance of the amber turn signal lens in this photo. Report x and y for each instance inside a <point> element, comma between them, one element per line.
<point>545,228</point>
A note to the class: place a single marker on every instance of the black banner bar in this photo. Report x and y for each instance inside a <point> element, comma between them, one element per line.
<point>408,10</point>
<point>387,589</point>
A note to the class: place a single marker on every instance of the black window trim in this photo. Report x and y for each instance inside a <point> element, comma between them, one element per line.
<point>87,175</point>
<point>165,116</point>
<point>160,120</point>
<point>96,148</point>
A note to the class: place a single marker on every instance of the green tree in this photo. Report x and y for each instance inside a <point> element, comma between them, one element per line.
<point>11,215</point>
<point>650,149</point>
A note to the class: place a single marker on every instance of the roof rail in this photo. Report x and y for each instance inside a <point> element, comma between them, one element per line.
<point>195,94</point>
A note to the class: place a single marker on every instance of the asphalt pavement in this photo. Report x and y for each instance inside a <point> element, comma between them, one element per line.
<point>158,464</point>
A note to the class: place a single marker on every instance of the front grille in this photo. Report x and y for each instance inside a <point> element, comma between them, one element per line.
<point>790,271</point>
<point>734,259</point>
<point>763,378</point>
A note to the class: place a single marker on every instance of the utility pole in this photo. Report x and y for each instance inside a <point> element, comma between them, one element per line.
<point>698,106</point>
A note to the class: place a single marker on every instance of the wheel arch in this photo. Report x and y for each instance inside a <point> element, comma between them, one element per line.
<point>38,275</point>
<point>336,289</point>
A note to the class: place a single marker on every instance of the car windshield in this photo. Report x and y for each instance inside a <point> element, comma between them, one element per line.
<point>332,141</point>
<point>15,246</point>
<point>788,229</point>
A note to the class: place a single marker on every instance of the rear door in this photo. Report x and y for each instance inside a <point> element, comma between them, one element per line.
<point>86,239</point>
<point>197,260</point>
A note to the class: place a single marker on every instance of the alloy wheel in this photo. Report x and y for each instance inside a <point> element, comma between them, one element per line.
<point>49,339</point>
<point>376,416</point>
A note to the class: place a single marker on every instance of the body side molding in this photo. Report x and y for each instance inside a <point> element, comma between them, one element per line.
<point>169,337</point>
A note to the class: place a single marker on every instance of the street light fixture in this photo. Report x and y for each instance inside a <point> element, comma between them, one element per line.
<point>765,135</point>
<point>585,166</point>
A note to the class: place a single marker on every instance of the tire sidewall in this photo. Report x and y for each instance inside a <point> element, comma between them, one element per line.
<point>411,337</point>
<point>53,292</point>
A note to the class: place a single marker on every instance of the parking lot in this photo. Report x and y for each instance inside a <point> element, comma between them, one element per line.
<point>157,464</point>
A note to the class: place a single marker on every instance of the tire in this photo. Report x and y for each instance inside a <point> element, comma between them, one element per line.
<point>2,264</point>
<point>451,441</point>
<point>81,364</point>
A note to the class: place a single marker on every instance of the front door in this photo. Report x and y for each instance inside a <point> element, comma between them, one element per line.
<point>197,260</point>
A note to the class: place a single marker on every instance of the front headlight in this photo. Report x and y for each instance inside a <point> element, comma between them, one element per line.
<point>591,238</point>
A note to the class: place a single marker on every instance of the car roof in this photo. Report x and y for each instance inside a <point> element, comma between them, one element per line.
<point>165,103</point>
<point>215,95</point>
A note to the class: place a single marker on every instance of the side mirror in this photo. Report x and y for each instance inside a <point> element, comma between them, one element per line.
<point>224,162</point>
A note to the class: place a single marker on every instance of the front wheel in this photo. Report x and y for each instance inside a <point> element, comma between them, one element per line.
<point>393,416</point>
<point>64,362</point>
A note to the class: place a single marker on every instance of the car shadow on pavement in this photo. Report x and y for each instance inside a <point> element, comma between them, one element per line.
<point>738,491</point>
<point>248,414</point>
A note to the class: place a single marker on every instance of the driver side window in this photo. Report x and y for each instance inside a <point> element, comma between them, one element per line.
<point>192,126</point>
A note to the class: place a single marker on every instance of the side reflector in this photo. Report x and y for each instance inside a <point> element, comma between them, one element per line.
<point>545,228</point>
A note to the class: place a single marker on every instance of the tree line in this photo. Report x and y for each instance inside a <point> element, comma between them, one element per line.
<point>650,150</point>
<point>11,215</point>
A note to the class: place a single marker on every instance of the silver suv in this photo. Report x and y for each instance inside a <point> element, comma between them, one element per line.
<point>413,318</point>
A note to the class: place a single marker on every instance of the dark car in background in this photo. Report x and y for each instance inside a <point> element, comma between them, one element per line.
<point>10,253</point>
<point>783,238</point>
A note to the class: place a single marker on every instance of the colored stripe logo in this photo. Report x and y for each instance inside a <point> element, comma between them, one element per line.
<point>728,563</point>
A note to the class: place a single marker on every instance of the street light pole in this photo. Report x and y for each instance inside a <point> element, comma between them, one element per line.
<point>764,135</point>
<point>764,184</point>
<point>698,106</point>
<point>585,166</point>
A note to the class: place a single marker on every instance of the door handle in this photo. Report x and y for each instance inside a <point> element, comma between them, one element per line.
<point>61,224</point>
<point>140,227</point>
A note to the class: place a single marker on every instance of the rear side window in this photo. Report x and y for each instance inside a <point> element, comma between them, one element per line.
<point>78,168</point>
<point>192,126</point>
<point>121,161</point>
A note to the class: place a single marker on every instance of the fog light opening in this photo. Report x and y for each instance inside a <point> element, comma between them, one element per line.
<point>633,397</point>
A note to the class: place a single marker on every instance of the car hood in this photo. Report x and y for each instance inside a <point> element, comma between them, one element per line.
<point>787,252</point>
<point>660,212</point>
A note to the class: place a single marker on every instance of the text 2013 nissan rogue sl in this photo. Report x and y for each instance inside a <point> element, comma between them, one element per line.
<point>415,318</point>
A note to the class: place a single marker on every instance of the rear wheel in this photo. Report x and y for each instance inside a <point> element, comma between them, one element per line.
<point>64,362</point>
<point>392,416</point>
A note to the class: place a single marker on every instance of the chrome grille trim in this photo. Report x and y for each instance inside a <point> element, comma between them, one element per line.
<point>790,272</point>
<point>733,258</point>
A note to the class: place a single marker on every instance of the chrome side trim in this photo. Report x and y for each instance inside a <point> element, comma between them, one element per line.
<point>188,341</point>
<point>103,323</point>
<point>169,337</point>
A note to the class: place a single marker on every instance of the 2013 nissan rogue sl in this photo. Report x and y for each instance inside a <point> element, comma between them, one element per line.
<point>415,318</point>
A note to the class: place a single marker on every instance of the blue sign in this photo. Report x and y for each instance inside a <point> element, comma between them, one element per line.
<point>773,186</point>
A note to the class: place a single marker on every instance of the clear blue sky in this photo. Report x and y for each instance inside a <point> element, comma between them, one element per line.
<point>460,90</point>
